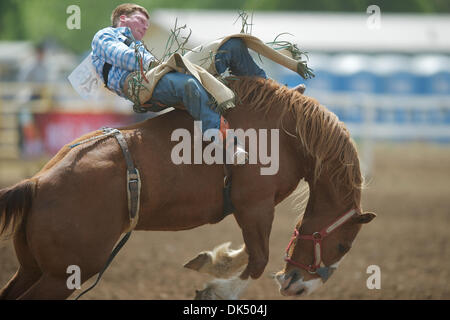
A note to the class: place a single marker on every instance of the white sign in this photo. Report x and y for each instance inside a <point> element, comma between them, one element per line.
<point>85,80</point>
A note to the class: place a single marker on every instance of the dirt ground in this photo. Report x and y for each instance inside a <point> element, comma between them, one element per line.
<point>409,240</point>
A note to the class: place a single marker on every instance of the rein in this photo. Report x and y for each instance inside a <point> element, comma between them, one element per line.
<point>317,238</point>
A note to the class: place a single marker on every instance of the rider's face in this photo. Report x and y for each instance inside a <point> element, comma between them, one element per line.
<point>137,22</point>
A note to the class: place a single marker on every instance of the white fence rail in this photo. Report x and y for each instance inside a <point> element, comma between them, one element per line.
<point>371,118</point>
<point>391,117</point>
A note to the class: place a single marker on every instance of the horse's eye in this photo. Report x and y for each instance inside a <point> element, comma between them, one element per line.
<point>343,248</point>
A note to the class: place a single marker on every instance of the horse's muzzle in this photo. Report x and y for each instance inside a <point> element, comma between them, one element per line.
<point>292,284</point>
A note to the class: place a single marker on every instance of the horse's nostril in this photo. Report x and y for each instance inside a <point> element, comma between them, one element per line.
<point>294,277</point>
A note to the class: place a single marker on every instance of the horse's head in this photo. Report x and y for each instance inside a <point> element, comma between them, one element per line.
<point>316,249</point>
<point>331,221</point>
<point>327,158</point>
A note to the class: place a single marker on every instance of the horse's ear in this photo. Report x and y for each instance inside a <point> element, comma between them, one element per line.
<point>364,218</point>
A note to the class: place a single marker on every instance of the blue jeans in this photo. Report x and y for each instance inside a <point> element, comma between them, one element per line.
<point>178,88</point>
<point>234,55</point>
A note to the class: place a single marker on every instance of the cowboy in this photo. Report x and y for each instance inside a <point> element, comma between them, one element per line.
<point>114,48</point>
<point>114,58</point>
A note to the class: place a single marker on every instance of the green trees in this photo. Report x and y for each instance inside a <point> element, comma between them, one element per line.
<point>37,20</point>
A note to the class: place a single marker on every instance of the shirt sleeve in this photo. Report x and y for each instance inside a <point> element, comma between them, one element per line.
<point>109,47</point>
<point>147,58</point>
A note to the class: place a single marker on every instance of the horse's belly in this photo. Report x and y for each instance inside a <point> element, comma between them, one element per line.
<point>181,216</point>
<point>182,199</point>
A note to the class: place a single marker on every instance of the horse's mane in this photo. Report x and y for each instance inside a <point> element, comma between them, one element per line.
<point>322,135</point>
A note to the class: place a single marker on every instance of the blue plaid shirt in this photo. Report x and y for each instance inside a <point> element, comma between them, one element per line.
<point>108,46</point>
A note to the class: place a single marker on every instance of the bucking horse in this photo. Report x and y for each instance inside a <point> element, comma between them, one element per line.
<point>75,209</point>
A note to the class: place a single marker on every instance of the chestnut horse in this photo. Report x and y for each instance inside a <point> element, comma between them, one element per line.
<point>75,209</point>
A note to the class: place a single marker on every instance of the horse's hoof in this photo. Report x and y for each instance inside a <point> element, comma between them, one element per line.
<point>198,262</point>
<point>205,294</point>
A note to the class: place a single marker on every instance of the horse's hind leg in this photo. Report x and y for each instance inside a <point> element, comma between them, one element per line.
<point>221,262</point>
<point>48,287</point>
<point>28,272</point>
<point>19,283</point>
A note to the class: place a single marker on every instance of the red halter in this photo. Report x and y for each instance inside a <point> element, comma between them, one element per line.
<point>317,238</point>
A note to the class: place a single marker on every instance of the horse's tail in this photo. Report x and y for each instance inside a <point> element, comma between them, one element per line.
<point>15,203</point>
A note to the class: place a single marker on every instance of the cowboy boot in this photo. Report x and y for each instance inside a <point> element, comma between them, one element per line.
<point>232,146</point>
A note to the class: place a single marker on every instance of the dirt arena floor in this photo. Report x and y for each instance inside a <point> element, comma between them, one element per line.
<point>409,241</point>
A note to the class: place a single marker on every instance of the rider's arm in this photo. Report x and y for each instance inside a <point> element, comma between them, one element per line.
<point>107,45</point>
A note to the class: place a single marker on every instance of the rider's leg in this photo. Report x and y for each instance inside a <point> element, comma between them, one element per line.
<point>178,88</point>
<point>234,54</point>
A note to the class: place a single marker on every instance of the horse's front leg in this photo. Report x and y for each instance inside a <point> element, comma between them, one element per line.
<point>256,225</point>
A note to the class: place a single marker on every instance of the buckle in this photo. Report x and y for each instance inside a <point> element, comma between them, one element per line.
<point>107,130</point>
<point>312,269</point>
<point>317,236</point>
<point>133,178</point>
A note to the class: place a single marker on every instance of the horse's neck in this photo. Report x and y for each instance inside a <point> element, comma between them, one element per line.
<point>293,164</point>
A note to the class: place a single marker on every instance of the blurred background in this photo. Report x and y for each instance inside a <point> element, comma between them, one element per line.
<point>382,66</point>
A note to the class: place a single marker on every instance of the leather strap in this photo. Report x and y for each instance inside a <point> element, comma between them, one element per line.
<point>133,178</point>
<point>133,192</point>
<point>105,72</point>
<point>228,206</point>
<point>108,262</point>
